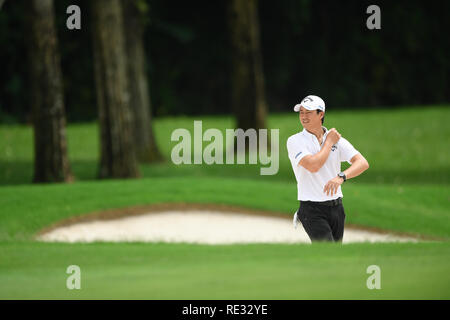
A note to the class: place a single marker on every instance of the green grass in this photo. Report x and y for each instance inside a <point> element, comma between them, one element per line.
<point>169,271</point>
<point>402,146</point>
<point>406,189</point>
<point>410,208</point>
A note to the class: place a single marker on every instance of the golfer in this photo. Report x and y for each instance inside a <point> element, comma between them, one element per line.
<point>316,154</point>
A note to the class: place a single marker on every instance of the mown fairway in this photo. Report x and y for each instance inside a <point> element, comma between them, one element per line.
<point>168,271</point>
<point>406,189</point>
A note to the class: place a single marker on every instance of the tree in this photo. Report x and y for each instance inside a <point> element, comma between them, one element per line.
<point>117,155</point>
<point>146,147</point>
<point>51,163</point>
<point>247,97</point>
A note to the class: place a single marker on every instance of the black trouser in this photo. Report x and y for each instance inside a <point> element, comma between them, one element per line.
<point>322,222</point>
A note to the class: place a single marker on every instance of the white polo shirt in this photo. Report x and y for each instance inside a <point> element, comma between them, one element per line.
<point>310,185</point>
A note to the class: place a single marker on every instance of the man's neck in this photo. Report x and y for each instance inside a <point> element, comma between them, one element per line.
<point>318,132</point>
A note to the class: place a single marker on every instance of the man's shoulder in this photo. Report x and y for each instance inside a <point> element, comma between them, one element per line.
<point>343,141</point>
<point>295,137</point>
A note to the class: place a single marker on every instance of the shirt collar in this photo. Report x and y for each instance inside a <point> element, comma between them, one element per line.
<point>306,133</point>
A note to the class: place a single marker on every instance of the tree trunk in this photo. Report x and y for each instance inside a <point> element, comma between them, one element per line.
<point>117,154</point>
<point>51,163</point>
<point>248,98</point>
<point>146,147</point>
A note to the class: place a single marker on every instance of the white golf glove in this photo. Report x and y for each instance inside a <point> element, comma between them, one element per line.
<point>295,220</point>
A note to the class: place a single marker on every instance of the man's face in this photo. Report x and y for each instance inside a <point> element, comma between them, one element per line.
<point>310,118</point>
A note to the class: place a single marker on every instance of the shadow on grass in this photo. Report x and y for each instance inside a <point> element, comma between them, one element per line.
<point>15,173</point>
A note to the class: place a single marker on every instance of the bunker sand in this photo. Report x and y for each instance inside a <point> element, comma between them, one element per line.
<point>195,224</point>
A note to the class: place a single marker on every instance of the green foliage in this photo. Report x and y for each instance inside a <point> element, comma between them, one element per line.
<point>143,6</point>
<point>320,47</point>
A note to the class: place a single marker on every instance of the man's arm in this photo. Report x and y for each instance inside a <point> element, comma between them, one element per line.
<point>359,165</point>
<point>313,163</point>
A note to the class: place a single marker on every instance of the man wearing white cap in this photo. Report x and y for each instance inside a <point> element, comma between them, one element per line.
<point>316,154</point>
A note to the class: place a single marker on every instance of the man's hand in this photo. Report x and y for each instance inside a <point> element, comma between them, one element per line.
<point>313,163</point>
<point>333,136</point>
<point>333,185</point>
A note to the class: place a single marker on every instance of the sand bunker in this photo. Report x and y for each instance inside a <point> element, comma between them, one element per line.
<point>199,226</point>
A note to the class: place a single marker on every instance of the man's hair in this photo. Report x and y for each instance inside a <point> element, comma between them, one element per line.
<point>323,114</point>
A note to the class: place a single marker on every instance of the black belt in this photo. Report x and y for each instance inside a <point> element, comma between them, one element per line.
<point>330,203</point>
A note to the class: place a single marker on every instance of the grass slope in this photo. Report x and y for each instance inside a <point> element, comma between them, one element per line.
<point>411,209</point>
<point>169,271</point>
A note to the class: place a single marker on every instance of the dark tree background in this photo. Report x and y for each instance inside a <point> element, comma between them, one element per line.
<point>135,12</point>
<point>51,162</point>
<point>247,77</point>
<point>320,47</point>
<point>118,154</point>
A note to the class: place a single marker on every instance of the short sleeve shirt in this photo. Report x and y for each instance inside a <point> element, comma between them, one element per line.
<point>310,184</point>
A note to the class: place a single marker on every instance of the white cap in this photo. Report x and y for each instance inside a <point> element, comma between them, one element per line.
<point>311,103</point>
